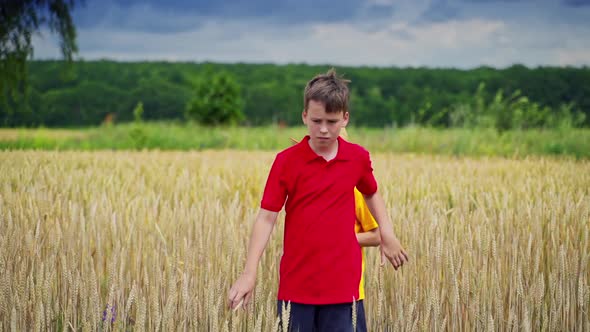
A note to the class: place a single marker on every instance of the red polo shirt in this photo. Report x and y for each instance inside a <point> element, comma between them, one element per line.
<point>321,261</point>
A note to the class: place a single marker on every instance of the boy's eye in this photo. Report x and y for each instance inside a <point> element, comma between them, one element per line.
<point>316,121</point>
<point>332,121</point>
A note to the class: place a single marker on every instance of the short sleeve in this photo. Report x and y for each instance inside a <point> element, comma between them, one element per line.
<point>367,183</point>
<point>363,215</point>
<point>275,191</point>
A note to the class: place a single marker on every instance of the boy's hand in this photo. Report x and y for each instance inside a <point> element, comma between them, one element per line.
<point>394,252</point>
<point>241,292</point>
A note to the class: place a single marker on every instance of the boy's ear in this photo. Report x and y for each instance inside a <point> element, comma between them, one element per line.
<point>304,117</point>
<point>346,117</point>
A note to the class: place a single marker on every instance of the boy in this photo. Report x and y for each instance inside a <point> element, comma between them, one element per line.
<point>367,235</point>
<point>321,265</point>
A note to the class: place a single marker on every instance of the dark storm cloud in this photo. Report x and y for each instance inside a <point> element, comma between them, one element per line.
<point>182,15</point>
<point>577,3</point>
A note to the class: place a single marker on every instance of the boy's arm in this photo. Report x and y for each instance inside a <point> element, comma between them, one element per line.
<point>370,238</point>
<point>390,245</point>
<point>243,287</point>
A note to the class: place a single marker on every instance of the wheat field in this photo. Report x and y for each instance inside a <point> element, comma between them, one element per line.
<point>153,240</point>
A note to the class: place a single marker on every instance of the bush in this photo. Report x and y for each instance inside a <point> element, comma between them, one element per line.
<point>509,112</point>
<point>217,101</point>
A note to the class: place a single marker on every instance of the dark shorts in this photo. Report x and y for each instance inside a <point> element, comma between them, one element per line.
<point>320,318</point>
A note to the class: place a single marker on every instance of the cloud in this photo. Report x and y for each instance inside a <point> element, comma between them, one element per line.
<point>573,58</point>
<point>440,11</point>
<point>135,17</point>
<point>449,33</point>
<point>333,43</point>
<point>154,15</point>
<point>496,1</point>
<point>577,3</point>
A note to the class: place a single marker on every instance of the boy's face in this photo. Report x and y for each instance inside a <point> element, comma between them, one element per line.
<point>323,127</point>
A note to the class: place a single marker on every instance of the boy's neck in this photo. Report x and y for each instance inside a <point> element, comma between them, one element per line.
<point>328,152</point>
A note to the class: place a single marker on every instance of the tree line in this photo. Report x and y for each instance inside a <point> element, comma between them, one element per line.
<point>88,93</point>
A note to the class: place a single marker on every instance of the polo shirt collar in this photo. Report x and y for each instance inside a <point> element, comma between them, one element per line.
<point>344,150</point>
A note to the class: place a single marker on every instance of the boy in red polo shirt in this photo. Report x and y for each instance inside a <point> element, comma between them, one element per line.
<point>367,233</point>
<point>314,180</point>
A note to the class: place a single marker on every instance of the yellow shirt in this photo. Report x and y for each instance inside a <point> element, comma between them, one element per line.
<point>364,223</point>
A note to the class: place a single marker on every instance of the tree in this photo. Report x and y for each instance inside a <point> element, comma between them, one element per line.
<point>86,104</point>
<point>161,99</point>
<point>216,101</point>
<point>138,112</point>
<point>19,20</point>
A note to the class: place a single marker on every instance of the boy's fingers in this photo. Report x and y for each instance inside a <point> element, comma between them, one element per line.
<point>405,256</point>
<point>401,258</point>
<point>230,296</point>
<point>235,300</point>
<point>238,305</point>
<point>394,261</point>
<point>397,262</point>
<point>382,258</point>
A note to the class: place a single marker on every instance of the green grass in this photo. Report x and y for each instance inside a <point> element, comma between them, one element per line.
<point>169,136</point>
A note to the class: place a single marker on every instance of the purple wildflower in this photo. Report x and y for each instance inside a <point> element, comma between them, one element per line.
<point>113,310</point>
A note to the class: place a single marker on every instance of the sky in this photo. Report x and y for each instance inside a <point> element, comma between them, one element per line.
<point>404,33</point>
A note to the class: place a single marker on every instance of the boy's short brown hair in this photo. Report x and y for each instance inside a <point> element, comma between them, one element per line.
<point>330,90</point>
